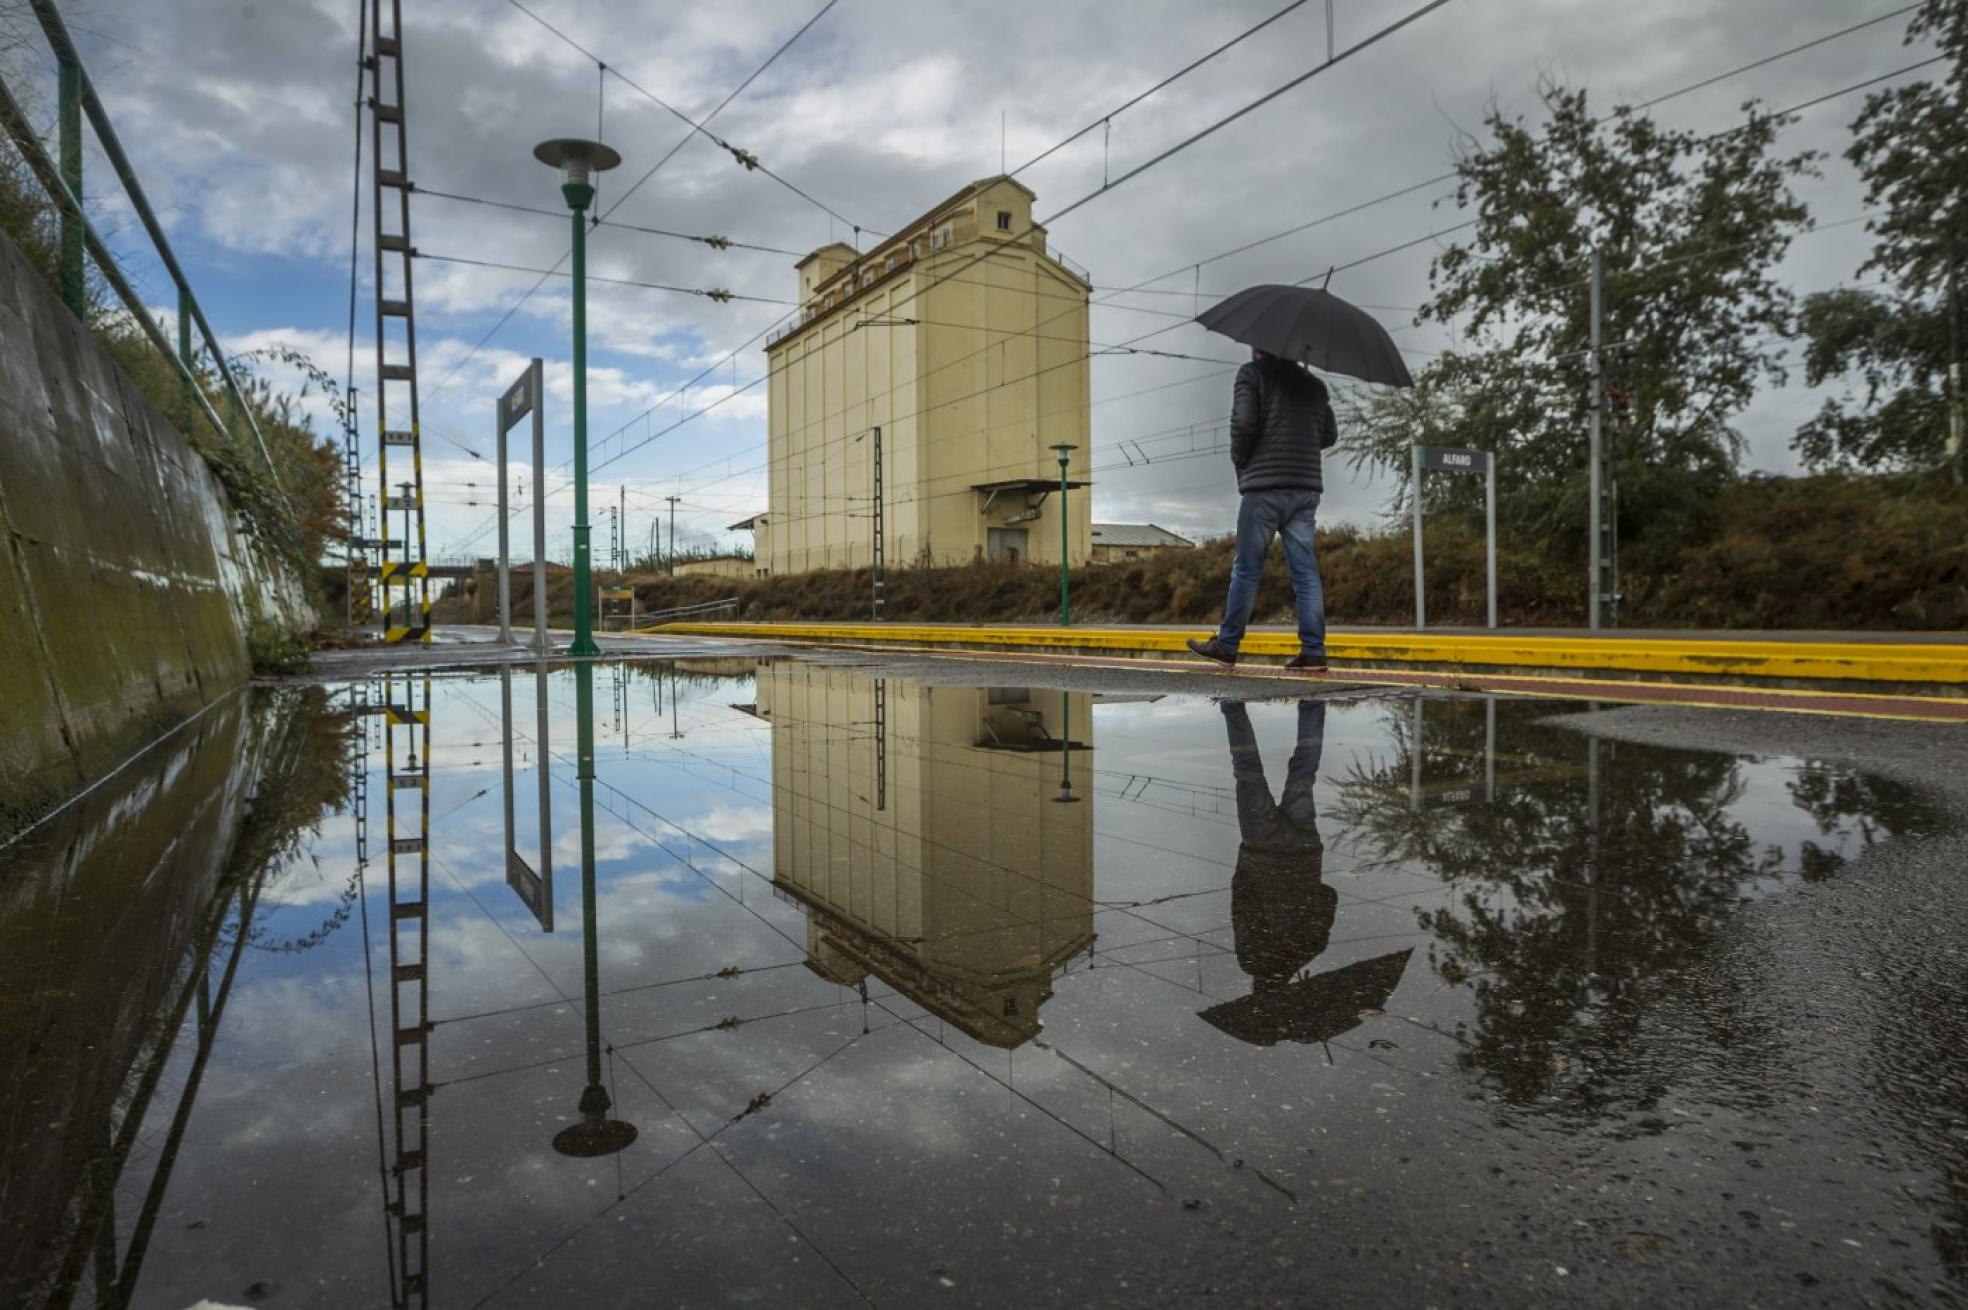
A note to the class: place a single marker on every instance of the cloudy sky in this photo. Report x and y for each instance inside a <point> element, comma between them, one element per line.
<point>239,116</point>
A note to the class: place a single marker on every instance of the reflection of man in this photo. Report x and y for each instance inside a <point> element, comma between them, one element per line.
<point>1280,907</point>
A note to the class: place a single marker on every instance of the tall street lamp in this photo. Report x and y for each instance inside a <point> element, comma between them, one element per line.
<point>1064,450</point>
<point>578,162</point>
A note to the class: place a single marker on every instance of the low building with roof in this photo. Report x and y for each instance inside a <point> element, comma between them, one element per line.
<point>1114,542</point>
<point>715,566</point>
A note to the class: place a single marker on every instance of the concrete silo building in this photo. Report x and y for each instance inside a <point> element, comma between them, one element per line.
<point>963,339</point>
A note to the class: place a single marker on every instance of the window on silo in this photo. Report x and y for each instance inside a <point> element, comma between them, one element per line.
<point>1004,220</point>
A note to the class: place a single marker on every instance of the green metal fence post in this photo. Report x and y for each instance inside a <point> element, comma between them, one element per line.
<point>70,125</point>
<point>184,342</point>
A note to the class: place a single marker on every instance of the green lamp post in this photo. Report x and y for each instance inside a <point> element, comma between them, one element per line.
<point>1064,450</point>
<point>578,162</point>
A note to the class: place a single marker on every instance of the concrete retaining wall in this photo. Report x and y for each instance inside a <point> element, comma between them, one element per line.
<point>127,588</point>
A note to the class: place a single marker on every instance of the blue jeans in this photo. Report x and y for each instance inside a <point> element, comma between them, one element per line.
<point>1263,515</point>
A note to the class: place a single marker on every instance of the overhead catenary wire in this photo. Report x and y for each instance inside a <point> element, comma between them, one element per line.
<point>1450,176</point>
<point>1382,253</point>
<point>1417,241</point>
<point>745,158</point>
<point>1107,118</point>
<point>936,280</point>
<point>709,293</point>
<point>1213,450</point>
<point>716,242</point>
<point>665,158</point>
<point>1437,234</point>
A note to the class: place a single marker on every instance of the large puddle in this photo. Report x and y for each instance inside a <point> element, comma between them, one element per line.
<point>786,983</point>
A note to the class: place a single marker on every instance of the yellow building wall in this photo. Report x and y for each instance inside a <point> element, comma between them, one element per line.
<point>943,867</point>
<point>972,368</point>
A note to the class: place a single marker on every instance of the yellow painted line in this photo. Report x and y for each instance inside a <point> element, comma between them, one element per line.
<point>1825,661</point>
<point>1766,700</point>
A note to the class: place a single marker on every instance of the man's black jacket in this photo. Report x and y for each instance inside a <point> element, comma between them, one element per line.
<point>1279,422</point>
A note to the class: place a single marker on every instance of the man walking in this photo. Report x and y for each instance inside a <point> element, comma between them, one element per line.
<point>1280,421</point>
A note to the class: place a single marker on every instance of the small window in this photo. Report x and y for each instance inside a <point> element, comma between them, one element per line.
<point>1004,220</point>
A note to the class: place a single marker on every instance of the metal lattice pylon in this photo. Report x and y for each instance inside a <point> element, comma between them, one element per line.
<point>408,770</point>
<point>396,330</point>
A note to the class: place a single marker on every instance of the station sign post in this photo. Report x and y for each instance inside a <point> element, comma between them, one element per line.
<point>1451,459</point>
<point>522,398</point>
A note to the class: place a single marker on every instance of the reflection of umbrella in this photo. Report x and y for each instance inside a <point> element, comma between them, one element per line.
<point>1314,1009</point>
<point>1312,326</point>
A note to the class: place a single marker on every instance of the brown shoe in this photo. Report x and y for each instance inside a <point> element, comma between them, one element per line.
<point>1306,663</point>
<point>1212,649</point>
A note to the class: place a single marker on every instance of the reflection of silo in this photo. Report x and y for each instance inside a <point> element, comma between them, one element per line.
<point>923,843</point>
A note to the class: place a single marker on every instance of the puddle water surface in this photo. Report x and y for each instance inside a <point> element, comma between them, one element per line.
<point>789,983</point>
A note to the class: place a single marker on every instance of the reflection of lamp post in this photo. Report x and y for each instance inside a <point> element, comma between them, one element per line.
<point>1066,796</point>
<point>596,1134</point>
<point>1063,449</point>
<point>578,162</point>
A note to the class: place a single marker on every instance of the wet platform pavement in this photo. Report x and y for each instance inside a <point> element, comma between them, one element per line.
<point>811,984</point>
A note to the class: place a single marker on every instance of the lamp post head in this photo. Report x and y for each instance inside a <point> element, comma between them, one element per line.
<point>1063,449</point>
<point>578,162</point>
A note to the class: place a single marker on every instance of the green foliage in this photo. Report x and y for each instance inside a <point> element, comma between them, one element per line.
<point>1910,144</point>
<point>1583,888</point>
<point>288,492</point>
<point>276,650</point>
<point>1690,228</point>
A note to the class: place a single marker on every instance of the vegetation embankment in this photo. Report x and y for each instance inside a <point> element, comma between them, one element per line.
<point>283,479</point>
<point>1834,551</point>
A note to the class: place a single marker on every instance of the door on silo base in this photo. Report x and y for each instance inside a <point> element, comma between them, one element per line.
<point>1006,544</point>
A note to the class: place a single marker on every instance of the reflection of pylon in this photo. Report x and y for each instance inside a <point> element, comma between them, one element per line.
<point>360,711</point>
<point>881,743</point>
<point>409,938</point>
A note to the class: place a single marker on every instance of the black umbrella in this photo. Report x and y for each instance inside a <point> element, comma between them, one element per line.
<point>1314,1009</point>
<point>1313,326</point>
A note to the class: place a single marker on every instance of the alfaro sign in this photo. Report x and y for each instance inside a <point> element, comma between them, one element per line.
<point>1449,459</point>
<point>1453,459</point>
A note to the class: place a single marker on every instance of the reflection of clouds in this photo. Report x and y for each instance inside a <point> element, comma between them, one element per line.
<point>732,823</point>
<point>301,883</point>
<point>612,841</point>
